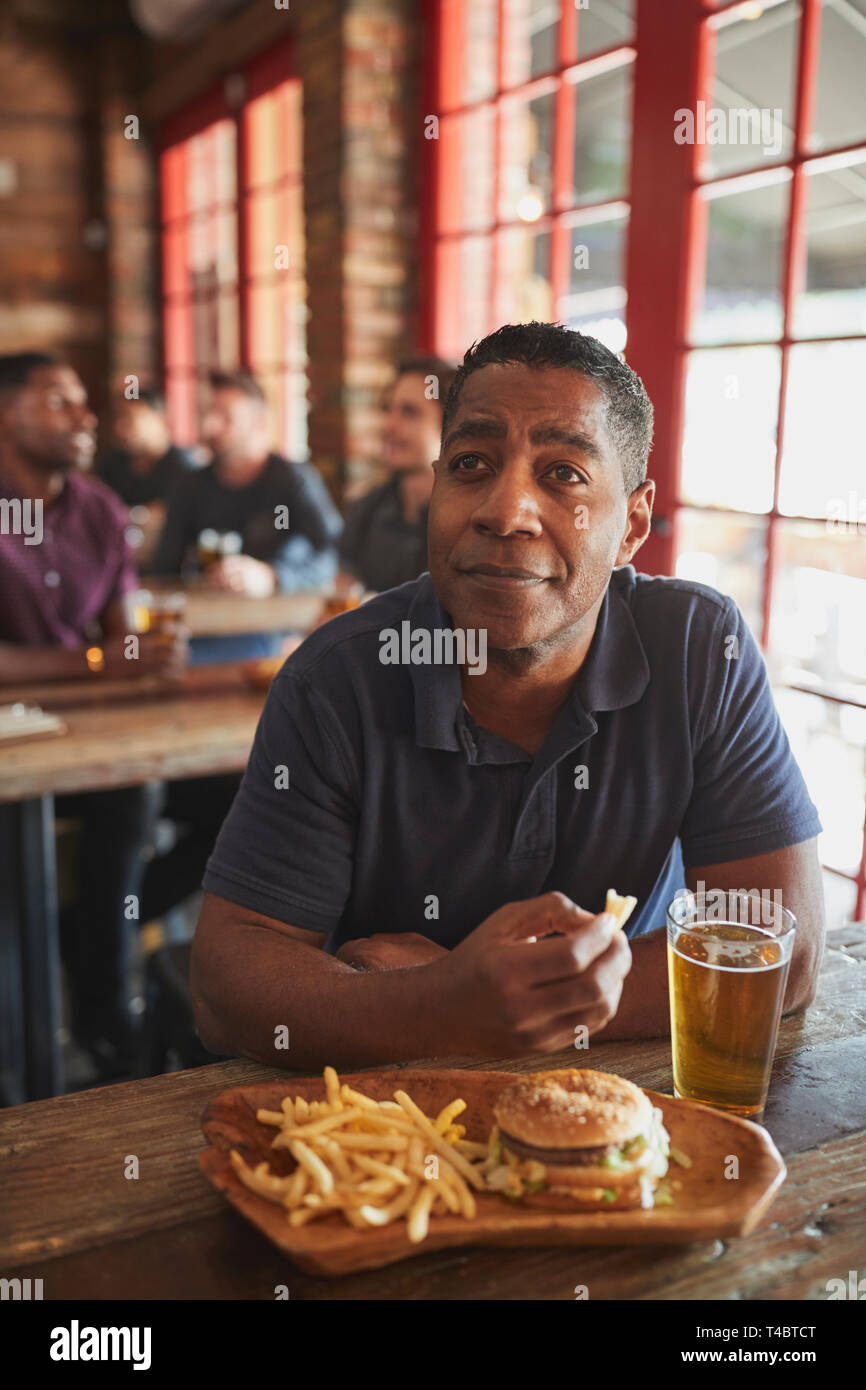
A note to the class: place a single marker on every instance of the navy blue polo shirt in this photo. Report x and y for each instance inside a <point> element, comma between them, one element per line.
<point>372,802</point>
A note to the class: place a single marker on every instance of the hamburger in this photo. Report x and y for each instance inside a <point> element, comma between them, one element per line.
<point>577,1139</point>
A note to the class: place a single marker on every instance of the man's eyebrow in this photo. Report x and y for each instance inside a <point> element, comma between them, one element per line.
<point>572,439</point>
<point>477,427</point>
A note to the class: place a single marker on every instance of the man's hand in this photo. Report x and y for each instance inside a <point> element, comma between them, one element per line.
<point>505,991</point>
<point>162,654</point>
<point>243,575</point>
<point>390,951</point>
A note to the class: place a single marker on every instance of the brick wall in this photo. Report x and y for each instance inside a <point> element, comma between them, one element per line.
<point>68,281</point>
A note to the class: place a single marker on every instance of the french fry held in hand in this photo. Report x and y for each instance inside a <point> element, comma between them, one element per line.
<point>372,1161</point>
<point>620,908</point>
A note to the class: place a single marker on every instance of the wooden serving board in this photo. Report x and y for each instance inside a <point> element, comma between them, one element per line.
<point>707,1206</point>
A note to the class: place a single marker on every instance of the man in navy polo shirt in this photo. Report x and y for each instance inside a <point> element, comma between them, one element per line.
<point>445,782</point>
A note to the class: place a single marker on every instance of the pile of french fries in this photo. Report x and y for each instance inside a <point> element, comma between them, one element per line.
<point>373,1161</point>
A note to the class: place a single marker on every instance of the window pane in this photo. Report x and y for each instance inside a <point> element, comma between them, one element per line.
<point>263,232</point>
<point>527,157</point>
<point>223,162</point>
<point>174,261</point>
<point>752,115</point>
<point>481,20</point>
<point>829,747</point>
<point>822,453</point>
<point>729,447</point>
<point>727,552</point>
<point>224,228</point>
<point>596,297</point>
<point>602,122</point>
<point>834,300</point>
<point>604,26</point>
<point>228,353</point>
<point>840,108</point>
<point>531,30</point>
<point>745,243</point>
<point>172,166</point>
<point>523,291</point>
<point>265,339</point>
<point>465,192</point>
<point>263,141</point>
<point>464,271</point>
<point>819,599</point>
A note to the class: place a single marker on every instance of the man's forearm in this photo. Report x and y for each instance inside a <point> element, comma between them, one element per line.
<point>253,990</point>
<point>20,664</point>
<point>644,1005</point>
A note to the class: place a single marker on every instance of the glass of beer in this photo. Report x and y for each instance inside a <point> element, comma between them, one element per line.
<point>728,959</point>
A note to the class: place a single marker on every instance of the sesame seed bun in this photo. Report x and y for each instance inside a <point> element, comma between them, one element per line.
<point>572,1109</point>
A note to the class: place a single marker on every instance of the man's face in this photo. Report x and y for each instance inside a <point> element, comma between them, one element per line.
<point>529,514</point>
<point>233,423</point>
<point>410,436</point>
<point>136,426</point>
<point>49,423</point>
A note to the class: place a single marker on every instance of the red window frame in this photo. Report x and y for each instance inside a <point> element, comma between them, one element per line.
<point>666,241</point>
<point>230,101</point>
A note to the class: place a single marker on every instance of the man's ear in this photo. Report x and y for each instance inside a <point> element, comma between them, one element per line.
<point>640,511</point>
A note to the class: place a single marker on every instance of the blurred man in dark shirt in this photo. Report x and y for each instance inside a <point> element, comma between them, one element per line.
<point>282,511</point>
<point>66,578</point>
<point>384,542</point>
<point>142,465</point>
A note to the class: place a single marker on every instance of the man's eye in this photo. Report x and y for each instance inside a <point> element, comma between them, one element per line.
<point>55,402</point>
<point>566,473</point>
<point>464,463</point>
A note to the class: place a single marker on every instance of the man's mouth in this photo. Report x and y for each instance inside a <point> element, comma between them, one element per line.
<point>503,576</point>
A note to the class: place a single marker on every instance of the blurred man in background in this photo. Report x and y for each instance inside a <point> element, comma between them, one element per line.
<point>65,613</point>
<point>251,492</point>
<point>142,465</point>
<point>384,542</point>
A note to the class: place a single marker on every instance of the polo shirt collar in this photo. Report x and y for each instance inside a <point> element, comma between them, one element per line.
<point>614,674</point>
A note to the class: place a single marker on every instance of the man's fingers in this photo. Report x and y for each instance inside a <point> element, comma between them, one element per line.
<point>585,990</point>
<point>552,912</point>
<point>563,957</point>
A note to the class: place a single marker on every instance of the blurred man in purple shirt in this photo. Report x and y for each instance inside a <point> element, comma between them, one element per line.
<point>66,578</point>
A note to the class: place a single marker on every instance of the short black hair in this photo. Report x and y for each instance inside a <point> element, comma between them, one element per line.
<point>237,381</point>
<point>15,367</point>
<point>149,395</point>
<point>629,408</point>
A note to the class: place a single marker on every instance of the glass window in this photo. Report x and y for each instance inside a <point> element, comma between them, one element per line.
<point>601,26</point>
<point>829,746</point>
<point>742,293</point>
<point>729,444</point>
<point>727,552</point>
<point>822,453</point>
<point>834,298</point>
<point>602,129</point>
<point>840,105</point>
<point>531,32</point>
<point>595,302</point>
<point>751,121</point>
<point>526,175</point>
<point>819,599</point>
<point>523,291</point>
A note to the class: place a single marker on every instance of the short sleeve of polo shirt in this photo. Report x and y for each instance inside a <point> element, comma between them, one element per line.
<point>286,848</point>
<point>749,795</point>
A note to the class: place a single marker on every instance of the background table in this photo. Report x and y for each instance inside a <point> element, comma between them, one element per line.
<point>214,613</point>
<point>119,734</point>
<point>71,1218</point>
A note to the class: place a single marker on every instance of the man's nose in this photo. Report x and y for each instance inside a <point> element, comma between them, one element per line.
<point>509,504</point>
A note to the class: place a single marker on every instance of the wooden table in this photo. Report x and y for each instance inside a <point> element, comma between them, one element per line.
<point>73,1219</point>
<point>119,734</point>
<point>214,613</point>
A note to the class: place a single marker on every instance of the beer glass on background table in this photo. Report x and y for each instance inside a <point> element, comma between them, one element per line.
<point>728,960</point>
